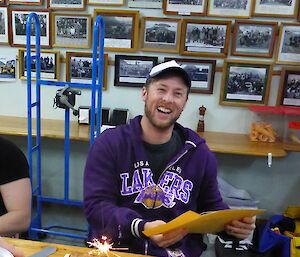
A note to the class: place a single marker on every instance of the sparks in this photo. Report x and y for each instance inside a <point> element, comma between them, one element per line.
<point>103,247</point>
<point>100,247</point>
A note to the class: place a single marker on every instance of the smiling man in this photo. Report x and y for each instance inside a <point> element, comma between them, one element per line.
<point>148,172</point>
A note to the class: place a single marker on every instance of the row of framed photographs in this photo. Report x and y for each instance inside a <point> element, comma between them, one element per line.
<point>56,30</point>
<point>244,83</point>
<point>188,37</point>
<point>232,8</point>
<point>78,66</point>
<point>221,8</point>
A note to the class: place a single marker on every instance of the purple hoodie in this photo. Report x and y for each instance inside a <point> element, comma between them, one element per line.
<point>120,194</point>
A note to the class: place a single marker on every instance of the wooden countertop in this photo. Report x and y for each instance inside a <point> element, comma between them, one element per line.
<point>49,128</point>
<point>30,247</point>
<point>240,144</point>
<point>217,141</point>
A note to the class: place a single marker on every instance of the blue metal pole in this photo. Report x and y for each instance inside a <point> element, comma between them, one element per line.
<point>29,97</point>
<point>67,154</point>
<point>100,72</point>
<point>30,105</point>
<point>99,24</point>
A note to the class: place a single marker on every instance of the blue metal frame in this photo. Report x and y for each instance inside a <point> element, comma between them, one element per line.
<point>96,102</point>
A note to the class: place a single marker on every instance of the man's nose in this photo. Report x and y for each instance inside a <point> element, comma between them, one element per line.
<point>168,97</point>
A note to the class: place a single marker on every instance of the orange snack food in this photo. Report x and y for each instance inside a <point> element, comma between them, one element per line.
<point>263,132</point>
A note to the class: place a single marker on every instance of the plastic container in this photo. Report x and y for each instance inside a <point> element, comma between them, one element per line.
<point>268,124</point>
<point>283,120</point>
<point>292,129</point>
<point>292,134</point>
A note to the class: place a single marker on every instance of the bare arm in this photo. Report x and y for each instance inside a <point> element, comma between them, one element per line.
<point>17,199</point>
<point>15,251</point>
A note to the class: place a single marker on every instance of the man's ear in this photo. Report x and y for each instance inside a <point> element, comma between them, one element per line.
<point>144,93</point>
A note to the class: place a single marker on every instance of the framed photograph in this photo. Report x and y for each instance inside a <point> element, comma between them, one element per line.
<point>288,51</point>
<point>66,4</point>
<point>8,68</point>
<point>79,67</point>
<point>31,2</point>
<point>106,2</point>
<point>245,83</point>
<point>254,38</point>
<point>18,27</point>
<point>71,30</point>
<point>154,4</point>
<point>187,7</point>
<point>201,72</point>
<point>121,29</point>
<point>279,8</point>
<point>230,8</point>
<point>205,38</point>
<point>160,34</point>
<point>4,26</point>
<point>132,71</point>
<point>289,91</point>
<point>50,64</point>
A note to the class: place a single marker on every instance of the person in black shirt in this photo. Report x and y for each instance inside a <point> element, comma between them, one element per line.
<point>15,190</point>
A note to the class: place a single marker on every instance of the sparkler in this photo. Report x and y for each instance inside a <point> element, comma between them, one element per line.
<point>103,247</point>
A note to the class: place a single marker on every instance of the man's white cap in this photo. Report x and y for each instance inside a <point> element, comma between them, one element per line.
<point>170,67</point>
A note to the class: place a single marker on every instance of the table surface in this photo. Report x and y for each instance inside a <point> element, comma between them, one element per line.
<point>30,247</point>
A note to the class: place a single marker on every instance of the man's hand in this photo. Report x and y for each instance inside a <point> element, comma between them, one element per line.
<point>241,228</point>
<point>167,239</point>
<point>15,251</point>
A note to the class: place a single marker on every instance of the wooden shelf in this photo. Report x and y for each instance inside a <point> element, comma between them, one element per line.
<point>240,144</point>
<point>49,128</point>
<point>295,147</point>
<point>217,141</point>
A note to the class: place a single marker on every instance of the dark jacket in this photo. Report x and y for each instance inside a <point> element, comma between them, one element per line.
<point>120,194</point>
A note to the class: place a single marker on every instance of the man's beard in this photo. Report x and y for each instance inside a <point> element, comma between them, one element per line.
<point>159,125</point>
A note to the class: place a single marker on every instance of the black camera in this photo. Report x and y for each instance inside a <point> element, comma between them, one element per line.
<point>65,99</point>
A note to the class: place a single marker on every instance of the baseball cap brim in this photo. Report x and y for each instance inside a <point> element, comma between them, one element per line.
<point>170,67</point>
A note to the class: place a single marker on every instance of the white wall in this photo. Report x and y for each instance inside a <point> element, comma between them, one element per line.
<point>218,118</point>
<point>275,187</point>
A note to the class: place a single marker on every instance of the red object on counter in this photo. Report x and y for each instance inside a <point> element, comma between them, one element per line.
<point>288,110</point>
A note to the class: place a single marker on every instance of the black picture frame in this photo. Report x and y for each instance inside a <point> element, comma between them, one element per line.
<point>201,72</point>
<point>132,71</point>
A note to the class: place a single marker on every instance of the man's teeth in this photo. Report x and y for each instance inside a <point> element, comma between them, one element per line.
<point>164,110</point>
